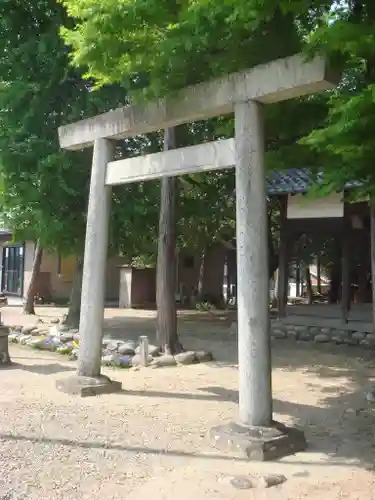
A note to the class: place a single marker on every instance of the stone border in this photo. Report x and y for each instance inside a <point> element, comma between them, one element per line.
<point>115,352</point>
<point>321,335</point>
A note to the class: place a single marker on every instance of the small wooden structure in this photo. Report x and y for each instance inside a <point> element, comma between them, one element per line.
<point>332,216</point>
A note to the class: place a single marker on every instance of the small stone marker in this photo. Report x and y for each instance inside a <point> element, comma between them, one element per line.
<point>143,350</point>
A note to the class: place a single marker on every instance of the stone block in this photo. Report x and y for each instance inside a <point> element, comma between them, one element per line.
<point>186,358</point>
<point>204,356</point>
<point>322,338</point>
<point>27,329</point>
<point>278,334</point>
<point>358,336</point>
<point>127,348</point>
<point>259,443</point>
<point>88,386</point>
<point>164,361</point>
<point>137,361</point>
<point>153,350</point>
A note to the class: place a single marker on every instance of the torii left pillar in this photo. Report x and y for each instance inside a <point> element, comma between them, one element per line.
<point>89,381</point>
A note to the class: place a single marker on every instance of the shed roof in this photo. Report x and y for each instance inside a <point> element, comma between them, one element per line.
<point>293,181</point>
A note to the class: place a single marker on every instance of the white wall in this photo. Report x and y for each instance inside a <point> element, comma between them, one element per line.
<point>304,207</point>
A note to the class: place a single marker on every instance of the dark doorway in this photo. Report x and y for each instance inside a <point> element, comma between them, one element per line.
<point>13,264</point>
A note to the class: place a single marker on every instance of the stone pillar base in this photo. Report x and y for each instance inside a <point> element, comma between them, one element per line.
<point>88,386</point>
<point>259,443</point>
<point>4,349</point>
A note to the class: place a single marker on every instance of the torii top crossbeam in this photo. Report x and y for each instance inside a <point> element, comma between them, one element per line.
<point>267,83</point>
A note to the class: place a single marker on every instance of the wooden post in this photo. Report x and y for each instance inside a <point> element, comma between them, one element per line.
<point>345,286</point>
<point>318,278</point>
<point>298,280</point>
<point>282,281</point>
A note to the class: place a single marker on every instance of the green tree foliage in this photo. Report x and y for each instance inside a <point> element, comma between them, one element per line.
<point>344,142</point>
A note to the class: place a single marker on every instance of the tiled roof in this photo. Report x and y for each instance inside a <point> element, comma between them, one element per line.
<point>293,180</point>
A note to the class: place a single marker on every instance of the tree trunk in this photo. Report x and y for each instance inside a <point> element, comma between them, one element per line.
<point>72,318</point>
<point>372,229</point>
<point>200,275</point>
<point>309,291</point>
<point>28,307</point>
<point>166,319</point>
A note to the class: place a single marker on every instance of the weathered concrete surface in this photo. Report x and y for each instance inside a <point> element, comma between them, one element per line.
<point>254,352</point>
<point>259,443</point>
<point>204,157</point>
<point>88,386</point>
<point>267,83</point>
<point>94,268</point>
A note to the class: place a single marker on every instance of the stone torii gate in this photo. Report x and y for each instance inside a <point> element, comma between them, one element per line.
<point>243,93</point>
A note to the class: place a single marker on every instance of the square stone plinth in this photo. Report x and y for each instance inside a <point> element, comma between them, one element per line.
<point>259,443</point>
<point>4,350</point>
<point>88,386</point>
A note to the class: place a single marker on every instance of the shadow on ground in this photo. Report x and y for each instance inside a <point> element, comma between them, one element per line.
<point>42,369</point>
<point>340,424</point>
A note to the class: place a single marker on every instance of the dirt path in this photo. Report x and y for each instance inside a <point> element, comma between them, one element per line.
<point>150,441</point>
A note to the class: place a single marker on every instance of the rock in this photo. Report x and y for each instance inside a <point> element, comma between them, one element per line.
<point>351,342</point>
<point>40,331</point>
<point>23,339</point>
<point>66,337</point>
<point>58,329</point>
<point>233,328</point>
<point>74,355</point>
<point>186,358</point>
<point>358,336</point>
<point>124,361</point>
<point>64,349</point>
<point>370,337</point>
<point>241,483</point>
<point>164,360</point>
<point>14,337</point>
<point>314,330</point>
<point>74,330</point>
<point>106,341</point>
<point>136,360</point>
<point>322,337</point>
<point>55,341</point>
<point>117,360</point>
<point>113,345</point>
<point>341,333</point>
<point>292,334</point>
<point>304,336</point>
<point>127,348</point>
<point>76,337</point>
<point>152,350</point>
<point>27,329</point>
<point>270,480</point>
<point>276,323</point>
<point>367,343</point>
<point>326,331</point>
<point>35,342</point>
<point>279,334</point>
<point>204,356</point>
<point>55,321</point>
<point>109,359</point>
<point>300,329</point>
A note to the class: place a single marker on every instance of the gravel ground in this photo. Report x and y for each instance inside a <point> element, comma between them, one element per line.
<point>150,440</point>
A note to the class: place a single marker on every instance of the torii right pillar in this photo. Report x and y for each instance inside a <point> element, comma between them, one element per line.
<point>255,433</point>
